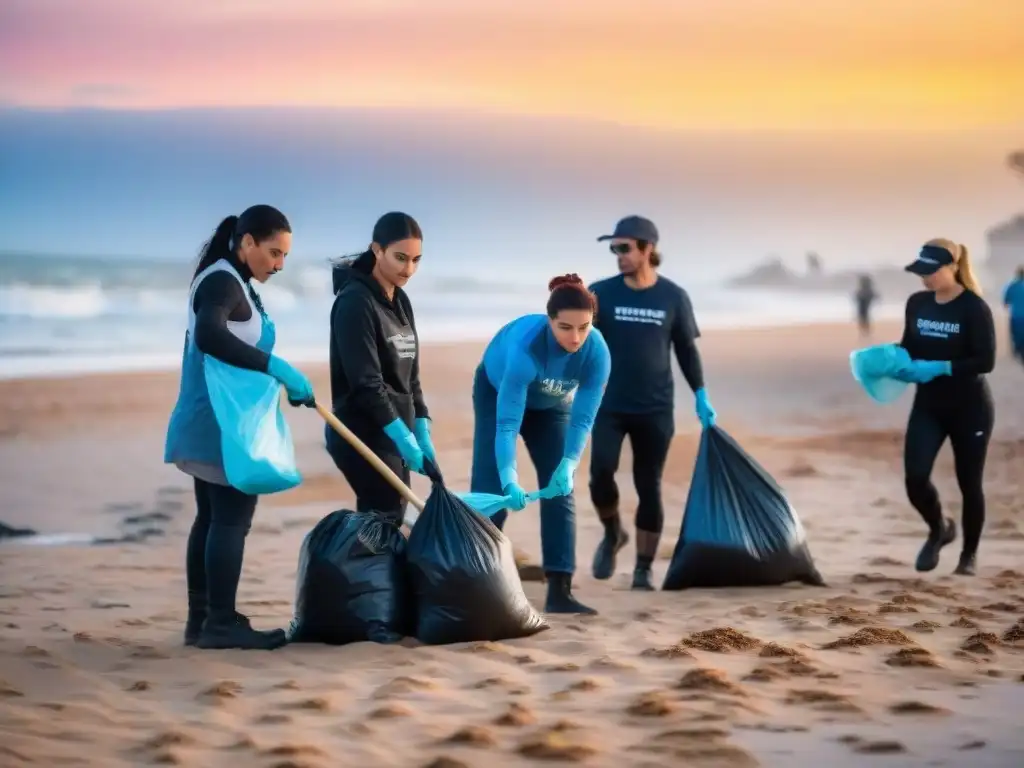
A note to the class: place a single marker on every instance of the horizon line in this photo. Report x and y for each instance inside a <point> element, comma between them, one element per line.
<point>498,113</point>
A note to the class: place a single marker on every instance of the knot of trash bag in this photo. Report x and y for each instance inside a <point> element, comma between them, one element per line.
<point>432,471</point>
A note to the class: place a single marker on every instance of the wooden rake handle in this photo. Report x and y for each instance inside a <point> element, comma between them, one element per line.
<point>386,472</point>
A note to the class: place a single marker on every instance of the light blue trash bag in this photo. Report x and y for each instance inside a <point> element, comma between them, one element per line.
<point>874,368</point>
<point>489,504</point>
<point>256,443</point>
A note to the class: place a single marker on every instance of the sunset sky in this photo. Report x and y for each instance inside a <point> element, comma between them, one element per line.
<point>660,63</point>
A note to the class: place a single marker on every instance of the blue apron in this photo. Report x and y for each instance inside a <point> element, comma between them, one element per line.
<point>193,435</point>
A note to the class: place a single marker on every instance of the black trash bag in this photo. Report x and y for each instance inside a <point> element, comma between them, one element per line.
<point>352,583</point>
<point>739,529</point>
<point>464,575</point>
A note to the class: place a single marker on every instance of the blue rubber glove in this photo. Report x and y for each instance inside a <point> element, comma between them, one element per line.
<point>561,482</point>
<point>516,496</point>
<point>295,382</point>
<point>923,371</point>
<point>422,432</point>
<point>705,412</point>
<point>405,441</point>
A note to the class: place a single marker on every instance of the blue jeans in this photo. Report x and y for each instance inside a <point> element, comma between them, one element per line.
<point>543,431</point>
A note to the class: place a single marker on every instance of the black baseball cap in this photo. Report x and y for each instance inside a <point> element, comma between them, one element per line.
<point>634,228</point>
<point>930,260</point>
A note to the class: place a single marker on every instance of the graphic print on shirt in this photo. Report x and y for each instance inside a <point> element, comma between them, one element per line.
<point>404,344</point>
<point>558,388</point>
<point>640,315</point>
<point>937,329</point>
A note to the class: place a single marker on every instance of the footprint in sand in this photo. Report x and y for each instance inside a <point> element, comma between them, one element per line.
<point>828,701</point>
<point>390,712</point>
<point>913,657</point>
<point>651,704</point>
<point>887,747</point>
<point>472,736</point>
<point>272,718</point>
<point>556,744</point>
<point>869,636</point>
<point>221,691</point>
<point>516,715</point>
<point>610,663</point>
<point>917,708</point>
<point>445,762</point>
<point>403,685</point>
<point>709,680</point>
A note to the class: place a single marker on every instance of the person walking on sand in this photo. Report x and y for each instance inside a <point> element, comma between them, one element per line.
<point>375,365</point>
<point>863,298</point>
<point>542,377</point>
<point>644,317</point>
<point>950,337</point>
<point>226,320</point>
<point>1013,300</point>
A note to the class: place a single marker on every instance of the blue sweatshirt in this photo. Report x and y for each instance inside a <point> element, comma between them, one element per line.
<point>531,370</point>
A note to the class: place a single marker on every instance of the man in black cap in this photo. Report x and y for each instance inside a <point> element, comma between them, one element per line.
<point>643,317</point>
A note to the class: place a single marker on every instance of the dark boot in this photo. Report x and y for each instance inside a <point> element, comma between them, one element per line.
<point>196,617</point>
<point>967,565</point>
<point>642,578</point>
<point>235,631</point>
<point>928,558</point>
<point>604,563</point>
<point>560,598</point>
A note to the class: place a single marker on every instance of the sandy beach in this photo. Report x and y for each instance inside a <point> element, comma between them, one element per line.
<point>883,667</point>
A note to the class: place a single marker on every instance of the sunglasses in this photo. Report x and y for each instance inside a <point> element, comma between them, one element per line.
<point>620,249</point>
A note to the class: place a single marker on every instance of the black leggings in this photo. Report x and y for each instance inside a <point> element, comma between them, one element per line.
<point>216,545</point>
<point>650,436</point>
<point>372,491</point>
<point>969,428</point>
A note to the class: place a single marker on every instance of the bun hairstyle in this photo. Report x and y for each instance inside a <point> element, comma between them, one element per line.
<point>569,292</point>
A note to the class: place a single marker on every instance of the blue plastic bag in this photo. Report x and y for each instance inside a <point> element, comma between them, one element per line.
<point>875,368</point>
<point>256,443</point>
<point>488,504</point>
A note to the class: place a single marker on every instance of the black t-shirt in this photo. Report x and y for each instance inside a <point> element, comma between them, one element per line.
<point>642,328</point>
<point>961,331</point>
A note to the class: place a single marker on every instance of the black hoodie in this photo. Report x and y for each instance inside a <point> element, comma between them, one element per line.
<point>375,368</point>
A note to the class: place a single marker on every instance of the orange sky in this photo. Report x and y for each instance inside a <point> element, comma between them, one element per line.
<point>664,63</point>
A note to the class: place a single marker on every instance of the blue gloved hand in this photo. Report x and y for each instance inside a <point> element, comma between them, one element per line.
<point>923,371</point>
<point>705,412</point>
<point>516,495</point>
<point>561,481</point>
<point>296,384</point>
<point>422,432</point>
<point>408,447</point>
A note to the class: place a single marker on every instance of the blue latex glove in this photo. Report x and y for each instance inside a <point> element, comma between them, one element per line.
<point>422,432</point>
<point>923,371</point>
<point>407,445</point>
<point>295,382</point>
<point>516,496</point>
<point>561,481</point>
<point>705,412</point>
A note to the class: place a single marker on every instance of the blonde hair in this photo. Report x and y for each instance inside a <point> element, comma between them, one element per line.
<point>961,263</point>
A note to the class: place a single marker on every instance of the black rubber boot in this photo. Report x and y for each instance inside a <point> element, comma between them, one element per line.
<point>196,617</point>
<point>605,556</point>
<point>968,564</point>
<point>560,598</point>
<point>642,578</point>
<point>235,631</point>
<point>928,558</point>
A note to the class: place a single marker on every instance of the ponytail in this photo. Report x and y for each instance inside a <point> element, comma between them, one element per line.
<point>219,246</point>
<point>965,272</point>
